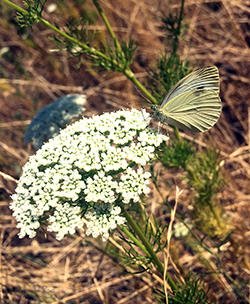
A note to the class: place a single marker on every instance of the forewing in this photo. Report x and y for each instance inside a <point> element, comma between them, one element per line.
<point>206,78</point>
<point>195,111</point>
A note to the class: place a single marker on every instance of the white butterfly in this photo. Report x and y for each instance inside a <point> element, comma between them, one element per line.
<point>193,103</point>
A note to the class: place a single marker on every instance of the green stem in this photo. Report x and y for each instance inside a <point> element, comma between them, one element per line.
<point>91,50</point>
<point>178,30</point>
<point>177,134</point>
<point>214,213</point>
<point>128,73</point>
<point>16,7</point>
<point>175,46</point>
<point>81,44</point>
<point>155,259</point>
<point>134,239</point>
<point>105,20</point>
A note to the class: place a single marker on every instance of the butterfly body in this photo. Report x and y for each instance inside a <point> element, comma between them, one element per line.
<point>193,104</point>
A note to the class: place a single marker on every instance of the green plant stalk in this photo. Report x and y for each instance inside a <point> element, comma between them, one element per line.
<point>177,134</point>
<point>149,248</point>
<point>16,7</point>
<point>210,205</point>
<point>175,46</point>
<point>134,239</point>
<point>66,36</point>
<point>176,42</point>
<point>178,28</point>
<point>128,73</point>
<point>105,20</point>
<point>194,177</point>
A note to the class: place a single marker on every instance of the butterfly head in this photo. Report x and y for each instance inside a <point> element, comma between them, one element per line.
<point>158,113</point>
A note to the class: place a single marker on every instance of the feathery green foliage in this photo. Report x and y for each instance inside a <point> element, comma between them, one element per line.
<point>177,154</point>
<point>193,291</point>
<point>168,71</point>
<point>151,230</point>
<point>33,15</point>
<point>123,56</point>
<point>170,68</point>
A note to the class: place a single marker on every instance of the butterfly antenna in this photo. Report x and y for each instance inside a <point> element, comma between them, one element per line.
<point>141,95</point>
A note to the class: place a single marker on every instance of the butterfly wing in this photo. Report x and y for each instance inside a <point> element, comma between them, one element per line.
<point>206,78</point>
<point>196,110</point>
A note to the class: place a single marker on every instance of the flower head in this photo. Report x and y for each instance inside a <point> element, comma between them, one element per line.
<point>90,168</point>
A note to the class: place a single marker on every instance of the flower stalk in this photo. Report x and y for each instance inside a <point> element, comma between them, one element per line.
<point>158,264</point>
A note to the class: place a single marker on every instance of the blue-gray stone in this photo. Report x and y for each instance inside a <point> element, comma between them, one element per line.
<point>53,117</point>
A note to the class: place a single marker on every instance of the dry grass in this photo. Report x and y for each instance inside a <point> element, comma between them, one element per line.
<point>70,271</point>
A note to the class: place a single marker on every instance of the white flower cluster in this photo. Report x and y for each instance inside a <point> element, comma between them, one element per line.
<point>103,219</point>
<point>91,165</point>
